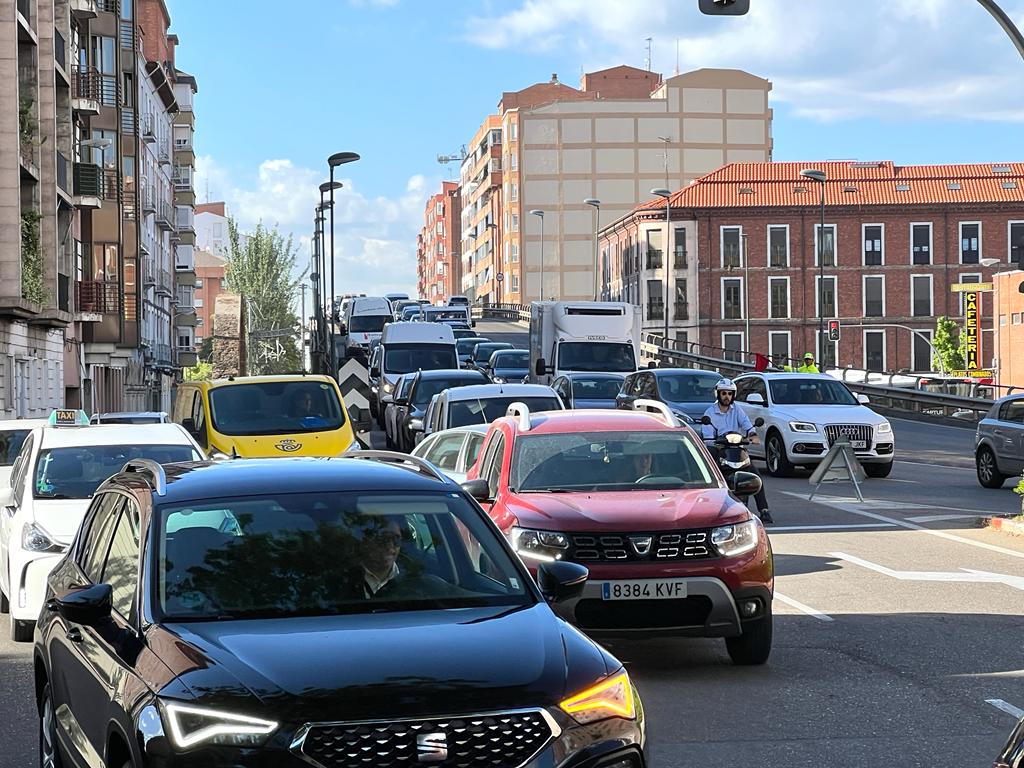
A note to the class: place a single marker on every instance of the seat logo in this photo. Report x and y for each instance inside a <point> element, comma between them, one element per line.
<point>288,445</point>
<point>431,747</point>
<point>641,544</point>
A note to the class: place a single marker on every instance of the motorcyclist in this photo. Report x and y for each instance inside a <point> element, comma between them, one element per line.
<point>727,417</point>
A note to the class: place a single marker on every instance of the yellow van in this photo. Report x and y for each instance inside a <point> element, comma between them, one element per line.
<point>264,416</point>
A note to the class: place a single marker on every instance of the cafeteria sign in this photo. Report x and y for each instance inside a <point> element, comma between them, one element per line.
<point>971,329</point>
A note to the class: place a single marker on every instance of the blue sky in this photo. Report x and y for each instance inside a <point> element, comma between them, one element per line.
<point>283,85</point>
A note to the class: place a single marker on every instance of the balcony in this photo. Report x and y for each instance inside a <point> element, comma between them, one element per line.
<point>163,151</point>
<point>88,185</point>
<point>182,178</point>
<point>656,310</point>
<point>149,271</point>
<point>84,9</point>
<point>146,128</point>
<point>182,143</point>
<point>98,297</point>
<point>185,219</point>
<point>86,90</point>
<point>164,217</point>
<point>654,258</point>
<point>164,282</point>
<point>109,6</point>
<point>186,357</point>
<point>148,198</point>
<point>679,259</point>
<point>184,259</point>
<point>127,121</point>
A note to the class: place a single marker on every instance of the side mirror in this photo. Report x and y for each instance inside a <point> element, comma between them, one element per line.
<point>863,399</point>
<point>416,425</point>
<point>758,422</point>
<point>705,420</point>
<point>375,372</point>
<point>88,606</point>
<point>478,489</point>
<point>401,401</point>
<point>561,580</point>
<point>743,483</point>
<point>755,398</point>
<point>540,368</point>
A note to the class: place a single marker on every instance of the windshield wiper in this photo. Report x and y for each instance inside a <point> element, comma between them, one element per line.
<point>57,496</point>
<point>553,490</point>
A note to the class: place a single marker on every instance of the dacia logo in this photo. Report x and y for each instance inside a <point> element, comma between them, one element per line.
<point>288,446</point>
<point>641,544</point>
<point>431,747</point>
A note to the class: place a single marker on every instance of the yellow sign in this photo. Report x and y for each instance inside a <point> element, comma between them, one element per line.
<point>964,287</point>
<point>971,374</point>
<point>971,320</point>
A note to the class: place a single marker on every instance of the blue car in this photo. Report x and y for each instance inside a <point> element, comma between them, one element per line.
<point>589,390</point>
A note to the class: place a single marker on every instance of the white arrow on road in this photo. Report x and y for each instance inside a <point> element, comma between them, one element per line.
<point>967,575</point>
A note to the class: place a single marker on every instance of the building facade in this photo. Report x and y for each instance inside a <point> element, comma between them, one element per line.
<point>437,276</point>
<point>210,270</point>
<point>184,322</point>
<point>624,132</point>
<point>1007,299</point>
<point>742,249</point>
<point>480,222</point>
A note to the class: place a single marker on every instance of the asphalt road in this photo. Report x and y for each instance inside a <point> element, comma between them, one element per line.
<point>897,633</point>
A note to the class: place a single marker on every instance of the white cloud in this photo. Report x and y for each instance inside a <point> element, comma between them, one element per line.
<point>829,60</point>
<point>374,240</point>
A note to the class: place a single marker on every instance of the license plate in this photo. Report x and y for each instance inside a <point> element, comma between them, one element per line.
<point>859,445</point>
<point>648,589</point>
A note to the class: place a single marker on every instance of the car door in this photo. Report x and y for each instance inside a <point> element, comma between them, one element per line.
<point>1008,435</point>
<point>628,392</point>
<point>470,452</point>
<point>8,523</point>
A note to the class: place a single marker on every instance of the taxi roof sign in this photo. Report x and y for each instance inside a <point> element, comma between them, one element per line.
<point>67,417</point>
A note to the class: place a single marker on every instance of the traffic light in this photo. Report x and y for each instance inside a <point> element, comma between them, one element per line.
<point>834,330</point>
<point>724,7</point>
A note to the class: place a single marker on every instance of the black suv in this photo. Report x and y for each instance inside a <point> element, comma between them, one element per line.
<point>361,611</point>
<point>424,386</point>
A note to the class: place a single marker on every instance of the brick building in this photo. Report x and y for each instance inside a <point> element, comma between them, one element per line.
<point>1007,300</point>
<point>438,273</point>
<point>896,239</point>
<point>210,269</point>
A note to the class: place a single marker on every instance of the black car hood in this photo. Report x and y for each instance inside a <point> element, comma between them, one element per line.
<point>386,665</point>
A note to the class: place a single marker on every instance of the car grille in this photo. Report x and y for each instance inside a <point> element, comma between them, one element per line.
<point>850,431</point>
<point>503,740</point>
<point>642,547</point>
<point>642,614</point>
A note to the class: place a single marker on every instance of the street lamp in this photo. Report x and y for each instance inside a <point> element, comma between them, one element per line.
<point>746,291</point>
<point>338,158</point>
<point>593,201</point>
<point>495,258</point>
<point>540,213</point>
<point>667,194</point>
<point>820,178</point>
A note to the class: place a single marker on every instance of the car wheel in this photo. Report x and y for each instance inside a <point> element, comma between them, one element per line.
<point>878,470</point>
<point>49,752</point>
<point>754,646</point>
<point>21,631</point>
<point>775,456</point>
<point>988,471</point>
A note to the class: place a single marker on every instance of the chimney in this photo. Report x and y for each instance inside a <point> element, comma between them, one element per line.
<point>554,77</point>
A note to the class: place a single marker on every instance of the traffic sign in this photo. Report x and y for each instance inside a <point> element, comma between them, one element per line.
<point>500,277</point>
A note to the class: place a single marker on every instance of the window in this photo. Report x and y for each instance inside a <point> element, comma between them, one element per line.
<point>654,252</point>
<point>730,246</point>
<point>439,228</point>
<point>825,297</point>
<point>105,262</point>
<point>679,249</point>
<point>682,308</point>
<point>732,298</point>
<point>873,235</point>
<point>128,90</point>
<point>445,450</point>
<point>874,350</point>
<point>439,208</point>
<point>492,463</point>
<point>778,297</point>
<point>778,246</point>
<point>827,248</point>
<point>97,541</point>
<point>970,242</point>
<point>874,296</point>
<point>514,195</point>
<point>121,571</point>
<point>1012,411</point>
<point>780,347</point>
<point>514,130</point>
<point>515,222</point>
<point>921,295</point>
<point>440,249</point>
<point>656,301</point>
<point>967,277</point>
<point>515,283</point>
<point>515,253</point>
<point>513,161</point>
<point>922,352</point>
<point>732,343</point>
<point>1016,242</point>
<point>126,9</point>
<point>921,243</point>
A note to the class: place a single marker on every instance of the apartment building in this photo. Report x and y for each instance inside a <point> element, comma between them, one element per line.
<point>624,132</point>
<point>210,270</point>
<point>437,269</point>
<point>185,318</point>
<point>741,250</point>
<point>481,223</point>
<point>212,228</point>
<point>44,200</point>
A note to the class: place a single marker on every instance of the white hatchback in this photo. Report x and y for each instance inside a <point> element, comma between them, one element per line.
<point>53,480</point>
<point>804,414</point>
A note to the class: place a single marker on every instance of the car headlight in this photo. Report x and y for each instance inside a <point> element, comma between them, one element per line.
<point>885,428</point>
<point>612,697</point>
<point>802,426</point>
<point>388,388</point>
<point>539,545</point>
<point>737,539</point>
<point>35,539</point>
<point>191,726</point>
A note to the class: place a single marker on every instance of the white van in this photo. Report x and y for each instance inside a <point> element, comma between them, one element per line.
<point>363,322</point>
<point>410,347</point>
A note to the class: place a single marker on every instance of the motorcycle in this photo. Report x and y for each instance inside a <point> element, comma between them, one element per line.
<point>733,458</point>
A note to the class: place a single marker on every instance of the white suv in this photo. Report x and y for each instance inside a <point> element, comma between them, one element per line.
<point>52,483</point>
<point>804,414</point>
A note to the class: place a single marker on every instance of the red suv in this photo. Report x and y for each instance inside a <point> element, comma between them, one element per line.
<point>636,498</point>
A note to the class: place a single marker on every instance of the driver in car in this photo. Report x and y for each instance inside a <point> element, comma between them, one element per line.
<point>727,417</point>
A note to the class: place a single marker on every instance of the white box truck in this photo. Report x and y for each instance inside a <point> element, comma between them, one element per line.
<point>583,336</point>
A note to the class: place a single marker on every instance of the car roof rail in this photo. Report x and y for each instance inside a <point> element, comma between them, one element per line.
<point>152,469</point>
<point>647,406</point>
<point>520,411</point>
<point>419,465</point>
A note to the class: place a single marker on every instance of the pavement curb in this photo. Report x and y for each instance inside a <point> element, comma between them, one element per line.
<point>1006,525</point>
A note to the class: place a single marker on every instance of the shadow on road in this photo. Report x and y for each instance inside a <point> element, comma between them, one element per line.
<point>794,565</point>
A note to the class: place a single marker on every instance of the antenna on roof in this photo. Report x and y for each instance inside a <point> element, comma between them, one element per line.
<point>677,55</point>
<point>648,39</point>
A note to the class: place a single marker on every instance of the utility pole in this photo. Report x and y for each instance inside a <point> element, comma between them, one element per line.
<point>302,326</point>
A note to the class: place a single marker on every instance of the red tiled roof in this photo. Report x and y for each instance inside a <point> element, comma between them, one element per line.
<point>757,185</point>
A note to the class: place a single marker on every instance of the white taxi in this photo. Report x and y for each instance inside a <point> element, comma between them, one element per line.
<point>60,466</point>
<point>12,434</point>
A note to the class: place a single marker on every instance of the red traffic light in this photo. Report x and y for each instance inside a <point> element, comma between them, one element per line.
<point>834,330</point>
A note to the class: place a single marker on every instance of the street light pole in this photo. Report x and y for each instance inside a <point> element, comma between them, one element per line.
<point>338,158</point>
<point>537,212</point>
<point>820,178</point>
<point>746,292</point>
<point>667,194</point>
<point>596,204</point>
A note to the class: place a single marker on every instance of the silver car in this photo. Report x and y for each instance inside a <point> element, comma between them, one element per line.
<point>999,442</point>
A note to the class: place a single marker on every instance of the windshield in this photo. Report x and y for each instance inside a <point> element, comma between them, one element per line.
<point>596,389</point>
<point>483,352</point>
<point>427,388</point>
<point>10,445</point>
<point>368,323</point>
<point>275,408</point>
<point>598,356</point>
<point>811,392</point>
<point>328,554</point>
<point>406,358</point>
<point>688,387</point>
<point>465,412</point>
<point>450,313</point>
<point>465,346</point>
<point>603,461</point>
<point>75,473</point>
<point>520,358</point>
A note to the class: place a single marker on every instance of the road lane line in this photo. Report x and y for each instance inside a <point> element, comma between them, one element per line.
<point>1003,706</point>
<point>776,528</point>
<point>965,575</point>
<point>803,608</point>
<point>940,518</point>
<point>942,466</point>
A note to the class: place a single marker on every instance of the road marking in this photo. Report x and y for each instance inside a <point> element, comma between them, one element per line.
<point>896,480</point>
<point>968,575</point>
<point>804,608</point>
<point>776,528</point>
<point>942,466</point>
<point>1004,706</point>
<point>938,518</point>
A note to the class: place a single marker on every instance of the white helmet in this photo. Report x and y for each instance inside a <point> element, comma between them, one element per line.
<point>725,385</point>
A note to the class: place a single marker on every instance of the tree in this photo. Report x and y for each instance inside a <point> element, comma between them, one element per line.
<point>199,372</point>
<point>950,344</point>
<point>261,270</point>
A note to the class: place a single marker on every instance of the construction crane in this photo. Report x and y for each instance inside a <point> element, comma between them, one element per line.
<point>447,159</point>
